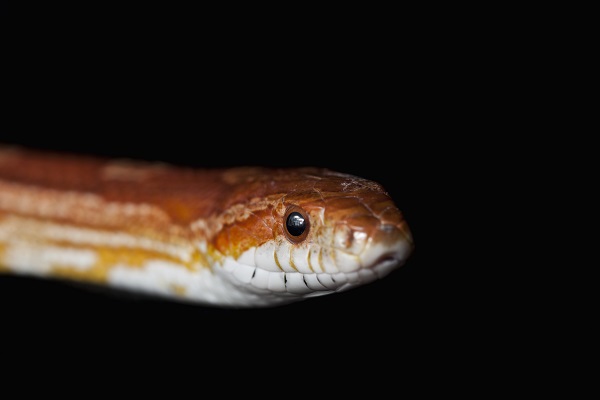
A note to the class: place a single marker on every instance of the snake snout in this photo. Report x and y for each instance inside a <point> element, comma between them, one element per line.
<point>390,247</point>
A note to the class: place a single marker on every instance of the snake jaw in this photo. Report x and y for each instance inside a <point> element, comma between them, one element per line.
<point>261,281</point>
<point>339,254</point>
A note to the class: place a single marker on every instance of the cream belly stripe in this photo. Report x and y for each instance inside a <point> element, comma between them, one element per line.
<point>43,259</point>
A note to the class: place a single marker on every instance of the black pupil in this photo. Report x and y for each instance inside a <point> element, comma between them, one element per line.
<point>295,224</point>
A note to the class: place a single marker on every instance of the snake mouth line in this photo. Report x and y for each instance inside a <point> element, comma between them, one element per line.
<point>305,284</point>
<point>386,264</point>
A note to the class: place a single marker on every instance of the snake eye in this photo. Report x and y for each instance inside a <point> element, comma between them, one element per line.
<point>296,224</point>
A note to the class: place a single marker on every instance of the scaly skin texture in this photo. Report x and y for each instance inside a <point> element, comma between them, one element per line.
<point>210,236</point>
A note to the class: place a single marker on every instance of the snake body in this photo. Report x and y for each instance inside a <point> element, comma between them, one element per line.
<point>229,237</point>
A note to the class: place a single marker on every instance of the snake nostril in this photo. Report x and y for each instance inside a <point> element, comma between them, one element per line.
<point>387,227</point>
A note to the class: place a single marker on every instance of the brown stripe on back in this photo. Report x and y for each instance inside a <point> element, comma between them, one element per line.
<point>184,194</point>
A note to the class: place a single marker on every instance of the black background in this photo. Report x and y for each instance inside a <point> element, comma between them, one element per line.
<point>418,102</point>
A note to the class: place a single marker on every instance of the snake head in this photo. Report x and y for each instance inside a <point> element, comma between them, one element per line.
<point>289,235</point>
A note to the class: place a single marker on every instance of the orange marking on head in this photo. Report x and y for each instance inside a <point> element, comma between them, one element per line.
<point>240,235</point>
<point>2,250</point>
